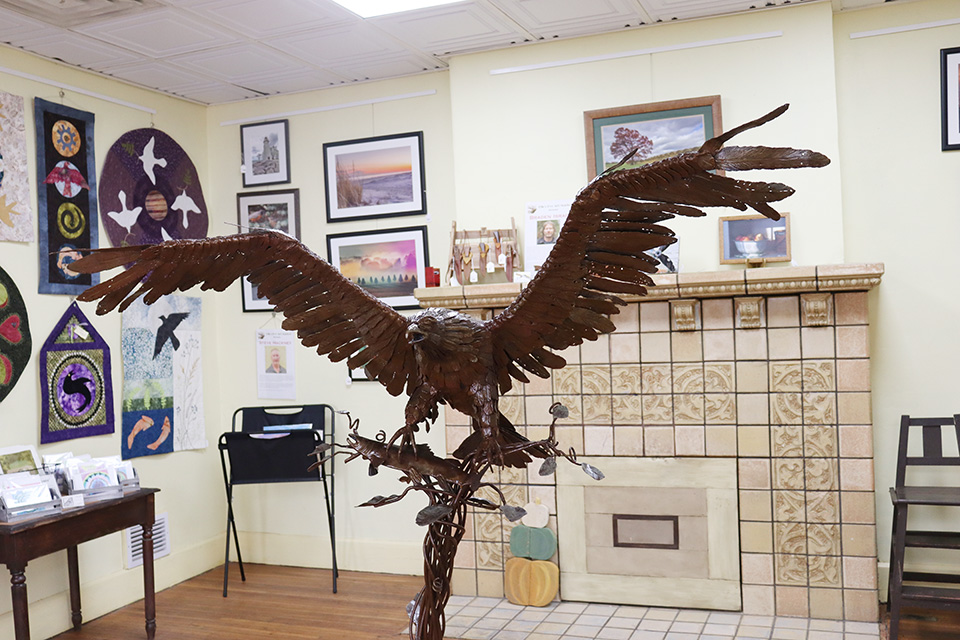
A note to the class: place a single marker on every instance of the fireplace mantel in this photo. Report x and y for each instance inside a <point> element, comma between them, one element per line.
<point>670,286</point>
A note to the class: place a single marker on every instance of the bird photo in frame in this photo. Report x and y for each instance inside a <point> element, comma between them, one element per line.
<point>443,357</point>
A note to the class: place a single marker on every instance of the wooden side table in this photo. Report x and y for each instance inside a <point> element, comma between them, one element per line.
<point>23,541</point>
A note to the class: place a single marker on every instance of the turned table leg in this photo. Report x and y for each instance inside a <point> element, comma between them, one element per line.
<point>18,592</point>
<point>149,600</point>
<point>73,569</point>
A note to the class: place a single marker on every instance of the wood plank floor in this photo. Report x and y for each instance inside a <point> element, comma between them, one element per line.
<point>923,624</point>
<point>281,603</point>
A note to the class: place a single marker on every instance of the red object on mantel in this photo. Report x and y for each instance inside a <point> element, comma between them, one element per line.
<point>432,277</point>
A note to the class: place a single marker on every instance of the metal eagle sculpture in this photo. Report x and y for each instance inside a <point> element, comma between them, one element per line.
<point>439,356</point>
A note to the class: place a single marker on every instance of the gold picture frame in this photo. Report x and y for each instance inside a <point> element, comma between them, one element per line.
<point>754,240</point>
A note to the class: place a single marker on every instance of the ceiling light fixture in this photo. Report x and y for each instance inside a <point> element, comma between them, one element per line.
<point>371,8</point>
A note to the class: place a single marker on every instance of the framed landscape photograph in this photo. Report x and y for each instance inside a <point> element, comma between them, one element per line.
<point>754,239</point>
<point>266,153</point>
<point>388,263</point>
<point>950,98</point>
<point>658,130</point>
<point>375,177</point>
<point>277,210</point>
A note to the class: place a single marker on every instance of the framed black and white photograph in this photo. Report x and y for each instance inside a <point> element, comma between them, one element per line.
<point>278,210</point>
<point>375,177</point>
<point>950,98</point>
<point>266,153</point>
<point>388,263</point>
<point>754,239</point>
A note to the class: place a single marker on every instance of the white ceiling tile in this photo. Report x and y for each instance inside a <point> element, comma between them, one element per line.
<point>216,93</point>
<point>565,18</point>
<point>159,75</point>
<point>392,68</point>
<point>257,19</point>
<point>161,33</point>
<point>448,29</point>
<point>292,82</point>
<point>79,50</point>
<point>344,44</point>
<point>67,13</point>
<point>235,62</point>
<point>688,9</point>
<point>15,27</point>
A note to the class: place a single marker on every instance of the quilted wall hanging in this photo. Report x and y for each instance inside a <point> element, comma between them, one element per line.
<point>14,335</point>
<point>67,201</point>
<point>150,191</point>
<point>162,378</point>
<point>16,215</point>
<point>77,392</point>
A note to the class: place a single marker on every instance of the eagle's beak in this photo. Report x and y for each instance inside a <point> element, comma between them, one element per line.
<point>415,335</point>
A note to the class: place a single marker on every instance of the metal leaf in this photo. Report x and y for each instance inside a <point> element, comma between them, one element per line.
<point>559,411</point>
<point>483,503</point>
<point>375,501</point>
<point>549,466</point>
<point>592,471</point>
<point>513,513</point>
<point>432,513</point>
<point>372,470</point>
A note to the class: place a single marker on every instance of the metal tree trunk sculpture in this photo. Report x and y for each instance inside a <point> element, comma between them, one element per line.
<point>444,357</point>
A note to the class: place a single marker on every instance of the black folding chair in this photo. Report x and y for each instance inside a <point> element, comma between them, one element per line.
<point>273,445</point>
<point>916,588</point>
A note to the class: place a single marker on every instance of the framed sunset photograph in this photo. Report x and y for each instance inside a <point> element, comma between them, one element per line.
<point>374,177</point>
<point>388,263</point>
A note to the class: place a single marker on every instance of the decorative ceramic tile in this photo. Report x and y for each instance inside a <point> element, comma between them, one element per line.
<point>512,408</point>
<point>717,313</point>
<point>822,474</point>
<point>783,311</point>
<point>790,537</point>
<point>817,309</point>
<point>686,314</point>
<point>824,506</point>
<point>690,440</point>
<point>786,408</point>
<point>784,344</point>
<point>688,408</point>
<point>657,409</point>
<point>687,346</point>
<point>791,570</point>
<point>598,441</point>
<point>851,308</point>
<point>720,408</point>
<point>853,374</point>
<point>787,441</point>
<point>487,527</point>
<point>658,441</point>
<point>817,342</point>
<point>687,378</point>
<point>625,378</point>
<point>819,408</point>
<point>572,403</point>
<point>624,347</point>
<point>719,377</point>
<point>753,377</point>
<point>818,375</point>
<point>853,408</point>
<point>789,506</point>
<point>654,316</point>
<point>512,475</point>
<point>718,345</point>
<point>656,378</point>
<point>823,540</point>
<point>596,351</point>
<point>566,381</point>
<point>595,379</point>
<point>824,571</point>
<point>627,410</point>
<point>597,410</point>
<point>628,320</point>
<point>750,344</point>
<point>786,376</point>
<point>753,441</point>
<point>820,441</point>
<point>628,441</point>
<point>788,473</point>
<point>749,313</point>
<point>853,342</point>
<point>654,347</point>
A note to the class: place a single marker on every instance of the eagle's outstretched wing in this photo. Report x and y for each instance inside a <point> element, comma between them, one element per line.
<point>325,309</point>
<point>600,251</point>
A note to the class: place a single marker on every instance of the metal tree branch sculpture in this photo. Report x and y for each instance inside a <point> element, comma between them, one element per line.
<point>444,357</point>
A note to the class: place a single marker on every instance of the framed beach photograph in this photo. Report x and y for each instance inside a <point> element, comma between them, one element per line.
<point>375,177</point>
<point>266,153</point>
<point>950,98</point>
<point>754,239</point>
<point>277,210</point>
<point>388,263</point>
<point>657,130</point>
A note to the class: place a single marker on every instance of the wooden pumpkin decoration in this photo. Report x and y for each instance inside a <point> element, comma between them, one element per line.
<point>533,543</point>
<point>531,582</point>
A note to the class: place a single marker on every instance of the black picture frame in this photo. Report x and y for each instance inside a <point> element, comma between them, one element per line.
<point>271,139</point>
<point>278,210</point>
<point>950,99</point>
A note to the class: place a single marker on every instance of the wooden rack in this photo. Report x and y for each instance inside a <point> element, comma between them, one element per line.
<point>482,256</point>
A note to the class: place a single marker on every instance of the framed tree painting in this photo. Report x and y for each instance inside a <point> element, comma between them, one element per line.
<point>657,130</point>
<point>375,177</point>
<point>388,263</point>
<point>266,153</point>
<point>950,98</point>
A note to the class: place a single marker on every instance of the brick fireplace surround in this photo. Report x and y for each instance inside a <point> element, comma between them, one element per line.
<point>768,366</point>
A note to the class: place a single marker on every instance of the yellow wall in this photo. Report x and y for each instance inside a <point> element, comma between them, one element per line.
<point>493,143</point>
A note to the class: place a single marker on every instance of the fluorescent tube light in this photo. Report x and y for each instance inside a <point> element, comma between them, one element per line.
<point>371,8</point>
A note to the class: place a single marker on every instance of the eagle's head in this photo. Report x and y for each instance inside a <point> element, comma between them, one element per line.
<point>441,330</point>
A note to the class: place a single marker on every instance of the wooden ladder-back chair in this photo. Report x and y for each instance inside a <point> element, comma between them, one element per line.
<point>923,588</point>
<point>274,445</point>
